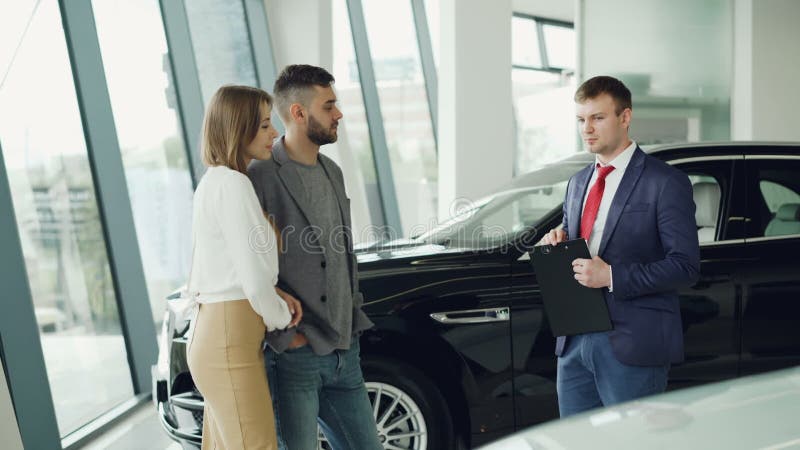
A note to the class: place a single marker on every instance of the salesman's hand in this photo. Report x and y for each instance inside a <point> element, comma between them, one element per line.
<point>554,236</point>
<point>593,273</point>
<point>295,308</point>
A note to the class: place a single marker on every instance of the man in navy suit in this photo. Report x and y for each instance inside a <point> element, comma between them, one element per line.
<point>637,215</point>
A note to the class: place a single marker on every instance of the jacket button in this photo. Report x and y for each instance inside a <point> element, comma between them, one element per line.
<point>322,264</point>
<point>323,299</point>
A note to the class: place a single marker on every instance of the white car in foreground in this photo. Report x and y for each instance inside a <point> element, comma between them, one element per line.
<point>757,412</point>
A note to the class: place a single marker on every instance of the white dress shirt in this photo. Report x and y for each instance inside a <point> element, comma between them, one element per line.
<point>235,249</point>
<point>613,179</point>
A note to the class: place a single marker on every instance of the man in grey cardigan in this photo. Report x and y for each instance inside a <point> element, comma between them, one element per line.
<point>314,369</point>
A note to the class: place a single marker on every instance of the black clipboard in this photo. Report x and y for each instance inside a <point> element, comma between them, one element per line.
<point>571,307</point>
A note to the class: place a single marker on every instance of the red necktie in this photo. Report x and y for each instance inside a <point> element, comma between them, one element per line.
<point>593,201</point>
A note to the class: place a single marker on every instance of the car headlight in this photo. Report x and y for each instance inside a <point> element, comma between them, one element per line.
<point>163,346</point>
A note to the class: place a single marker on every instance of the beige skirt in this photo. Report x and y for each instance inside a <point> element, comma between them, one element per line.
<point>227,366</point>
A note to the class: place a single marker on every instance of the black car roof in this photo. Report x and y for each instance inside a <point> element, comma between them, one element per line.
<point>674,151</point>
<point>669,152</point>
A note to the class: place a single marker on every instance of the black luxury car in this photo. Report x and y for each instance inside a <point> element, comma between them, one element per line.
<point>462,353</point>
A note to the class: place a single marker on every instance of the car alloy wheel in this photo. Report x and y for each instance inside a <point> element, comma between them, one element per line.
<point>400,422</point>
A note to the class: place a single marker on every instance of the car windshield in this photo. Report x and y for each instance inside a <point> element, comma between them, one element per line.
<point>500,217</point>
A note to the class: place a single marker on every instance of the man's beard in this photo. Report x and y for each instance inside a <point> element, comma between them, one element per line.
<point>318,134</point>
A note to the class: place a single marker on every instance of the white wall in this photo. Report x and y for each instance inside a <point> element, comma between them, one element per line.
<point>476,137</point>
<point>8,420</point>
<point>765,95</point>
<point>301,32</point>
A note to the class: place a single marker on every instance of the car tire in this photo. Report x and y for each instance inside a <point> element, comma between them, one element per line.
<point>395,378</point>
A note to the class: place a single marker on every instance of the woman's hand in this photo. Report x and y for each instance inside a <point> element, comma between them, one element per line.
<point>295,307</point>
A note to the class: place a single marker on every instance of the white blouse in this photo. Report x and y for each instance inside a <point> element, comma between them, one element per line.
<point>235,248</point>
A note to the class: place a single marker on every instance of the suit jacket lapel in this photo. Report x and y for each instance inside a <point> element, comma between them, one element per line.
<point>626,185</point>
<point>291,180</point>
<point>581,181</point>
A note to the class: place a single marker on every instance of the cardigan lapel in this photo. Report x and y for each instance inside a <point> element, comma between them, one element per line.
<point>291,180</point>
<point>338,189</point>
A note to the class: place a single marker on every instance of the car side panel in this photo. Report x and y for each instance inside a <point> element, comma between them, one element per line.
<point>459,290</point>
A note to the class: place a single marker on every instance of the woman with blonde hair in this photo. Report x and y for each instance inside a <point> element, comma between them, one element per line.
<point>233,274</point>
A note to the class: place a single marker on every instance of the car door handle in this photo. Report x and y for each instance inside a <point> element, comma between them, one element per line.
<point>502,314</point>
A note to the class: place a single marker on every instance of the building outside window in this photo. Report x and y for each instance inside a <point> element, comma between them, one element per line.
<point>149,132</point>
<point>221,44</point>
<point>57,215</point>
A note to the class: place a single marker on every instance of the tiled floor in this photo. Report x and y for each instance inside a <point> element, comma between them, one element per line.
<point>140,430</point>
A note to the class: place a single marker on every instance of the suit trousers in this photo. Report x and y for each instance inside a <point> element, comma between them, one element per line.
<point>590,376</point>
<point>227,366</point>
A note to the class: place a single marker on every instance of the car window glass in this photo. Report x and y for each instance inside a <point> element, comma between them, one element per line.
<point>776,195</point>
<point>500,217</point>
<point>495,219</point>
<point>707,199</point>
<point>520,210</point>
<point>774,210</point>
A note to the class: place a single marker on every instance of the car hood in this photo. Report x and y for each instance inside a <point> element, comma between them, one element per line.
<point>753,412</point>
<point>418,257</point>
<point>397,252</point>
<point>383,245</point>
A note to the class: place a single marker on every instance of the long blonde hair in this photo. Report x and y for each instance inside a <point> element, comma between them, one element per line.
<point>231,123</point>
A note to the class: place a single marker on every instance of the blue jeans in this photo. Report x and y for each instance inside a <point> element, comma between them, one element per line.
<point>308,388</point>
<point>590,376</point>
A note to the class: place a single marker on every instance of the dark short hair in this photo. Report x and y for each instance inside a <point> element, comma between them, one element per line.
<point>597,86</point>
<point>294,83</point>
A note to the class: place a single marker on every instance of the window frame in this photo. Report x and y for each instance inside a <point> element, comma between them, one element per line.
<point>540,22</point>
<point>725,170</point>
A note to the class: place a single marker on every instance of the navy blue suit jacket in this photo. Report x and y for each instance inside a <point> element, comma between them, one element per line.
<point>650,241</point>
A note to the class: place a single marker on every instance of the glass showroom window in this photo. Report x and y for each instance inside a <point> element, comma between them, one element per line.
<point>221,44</point>
<point>404,105</point>
<point>525,43</point>
<point>354,142</point>
<point>432,13</point>
<point>57,215</point>
<point>560,46</point>
<point>542,80</point>
<point>154,155</point>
